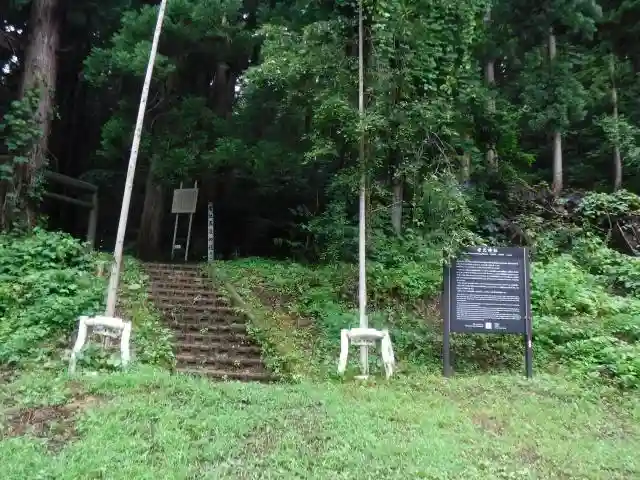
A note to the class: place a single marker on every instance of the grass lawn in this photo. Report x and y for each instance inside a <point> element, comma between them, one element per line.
<point>149,425</point>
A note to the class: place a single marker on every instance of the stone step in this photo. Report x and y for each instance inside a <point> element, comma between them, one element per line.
<point>212,336</point>
<point>189,301</point>
<point>173,266</point>
<point>182,313</point>
<point>169,287</point>
<point>164,268</point>
<point>213,329</point>
<point>214,374</point>
<point>199,324</point>
<point>184,274</point>
<point>164,281</point>
<point>183,290</point>
<point>173,277</point>
<point>231,362</point>
<point>193,308</point>
<point>219,348</point>
<point>185,281</point>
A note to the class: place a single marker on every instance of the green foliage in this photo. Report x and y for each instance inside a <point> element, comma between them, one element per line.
<point>179,139</point>
<point>558,96</point>
<point>48,280</point>
<point>605,209</point>
<point>618,272</point>
<point>20,130</point>
<point>623,133</point>
<point>46,283</point>
<point>407,269</point>
<point>579,319</point>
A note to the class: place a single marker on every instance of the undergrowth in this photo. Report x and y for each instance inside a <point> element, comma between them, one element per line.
<point>586,316</point>
<point>49,279</point>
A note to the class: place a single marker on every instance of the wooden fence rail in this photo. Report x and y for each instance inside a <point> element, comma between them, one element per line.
<point>86,187</point>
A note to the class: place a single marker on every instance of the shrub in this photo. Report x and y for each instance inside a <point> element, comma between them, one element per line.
<point>46,282</point>
<point>579,322</point>
<point>580,319</point>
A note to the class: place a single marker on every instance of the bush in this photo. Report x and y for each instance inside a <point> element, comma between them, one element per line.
<point>580,322</point>
<point>617,271</point>
<point>46,282</point>
<point>403,269</point>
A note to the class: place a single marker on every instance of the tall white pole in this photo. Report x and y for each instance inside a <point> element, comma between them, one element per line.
<point>112,292</point>
<point>362,224</point>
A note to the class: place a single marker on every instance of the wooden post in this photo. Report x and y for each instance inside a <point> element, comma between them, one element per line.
<point>93,221</point>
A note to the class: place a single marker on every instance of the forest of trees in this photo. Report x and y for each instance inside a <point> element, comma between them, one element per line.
<point>483,118</point>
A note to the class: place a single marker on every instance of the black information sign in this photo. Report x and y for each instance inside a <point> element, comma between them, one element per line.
<point>487,290</point>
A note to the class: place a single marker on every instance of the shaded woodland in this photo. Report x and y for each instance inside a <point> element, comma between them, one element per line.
<point>484,119</point>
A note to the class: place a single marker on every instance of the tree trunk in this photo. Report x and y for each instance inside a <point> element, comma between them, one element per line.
<point>40,70</point>
<point>465,168</point>
<point>556,188</point>
<point>490,78</point>
<point>617,157</point>
<point>465,162</point>
<point>557,185</point>
<point>150,233</point>
<point>396,205</point>
<point>220,89</point>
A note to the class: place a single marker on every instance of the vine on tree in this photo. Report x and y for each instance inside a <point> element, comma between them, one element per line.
<point>21,133</point>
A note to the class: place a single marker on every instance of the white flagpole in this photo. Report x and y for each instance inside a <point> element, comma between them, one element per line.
<point>362,225</point>
<point>112,292</point>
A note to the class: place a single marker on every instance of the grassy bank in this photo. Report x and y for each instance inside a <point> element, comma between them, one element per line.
<point>585,325</point>
<point>149,425</point>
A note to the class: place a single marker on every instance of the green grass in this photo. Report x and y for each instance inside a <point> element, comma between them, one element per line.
<point>149,425</point>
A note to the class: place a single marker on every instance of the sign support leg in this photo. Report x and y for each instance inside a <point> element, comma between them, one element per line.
<point>446,317</point>
<point>175,234</point>
<point>528,321</point>
<point>186,249</point>
<point>446,352</point>
<point>528,350</point>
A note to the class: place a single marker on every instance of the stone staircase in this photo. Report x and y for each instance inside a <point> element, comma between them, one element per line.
<point>211,338</point>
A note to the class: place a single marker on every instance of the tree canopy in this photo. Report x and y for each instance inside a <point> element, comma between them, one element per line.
<point>481,116</point>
